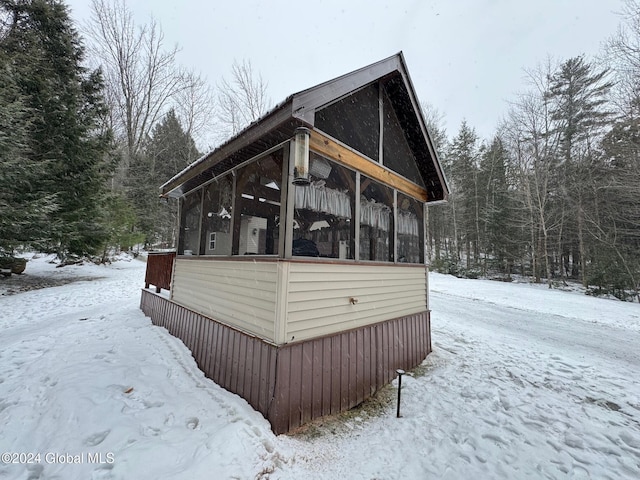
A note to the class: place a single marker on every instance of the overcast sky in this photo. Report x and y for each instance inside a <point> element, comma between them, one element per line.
<point>465,57</point>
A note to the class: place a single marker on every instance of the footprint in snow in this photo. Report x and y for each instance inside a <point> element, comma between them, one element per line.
<point>6,404</point>
<point>96,438</point>
<point>193,423</point>
<point>103,472</point>
<point>35,471</point>
<point>630,440</point>
<point>268,446</point>
<point>149,431</point>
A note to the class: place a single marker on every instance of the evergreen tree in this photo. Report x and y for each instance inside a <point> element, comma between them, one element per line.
<point>462,161</point>
<point>579,98</point>
<point>616,265</point>
<point>578,108</point>
<point>23,208</point>
<point>118,220</point>
<point>65,109</point>
<point>169,150</point>
<point>501,237</point>
<point>439,217</point>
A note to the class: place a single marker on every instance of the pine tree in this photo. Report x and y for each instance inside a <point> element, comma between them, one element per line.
<point>578,97</point>
<point>462,161</point>
<point>616,262</point>
<point>23,208</point>
<point>118,220</point>
<point>438,216</point>
<point>65,108</point>
<point>169,150</point>
<point>502,239</point>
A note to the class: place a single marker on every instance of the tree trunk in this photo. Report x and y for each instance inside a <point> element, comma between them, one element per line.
<point>581,246</point>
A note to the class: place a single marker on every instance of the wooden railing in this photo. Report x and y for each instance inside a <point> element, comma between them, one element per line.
<point>159,268</point>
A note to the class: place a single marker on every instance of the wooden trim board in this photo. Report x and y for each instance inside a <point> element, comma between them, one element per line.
<point>335,151</point>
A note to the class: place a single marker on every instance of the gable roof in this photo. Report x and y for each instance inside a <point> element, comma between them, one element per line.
<point>279,124</point>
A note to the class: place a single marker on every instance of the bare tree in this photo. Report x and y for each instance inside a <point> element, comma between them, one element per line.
<point>195,107</point>
<point>146,88</point>
<point>579,105</point>
<point>531,136</point>
<point>623,54</point>
<point>141,74</point>
<point>241,100</point>
<point>143,78</point>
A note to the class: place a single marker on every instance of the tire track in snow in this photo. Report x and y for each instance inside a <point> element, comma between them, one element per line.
<point>558,382</point>
<point>558,331</point>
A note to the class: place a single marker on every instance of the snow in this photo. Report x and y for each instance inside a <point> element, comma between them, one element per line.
<point>524,382</point>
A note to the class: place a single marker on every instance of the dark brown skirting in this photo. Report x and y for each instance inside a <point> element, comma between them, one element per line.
<point>295,383</point>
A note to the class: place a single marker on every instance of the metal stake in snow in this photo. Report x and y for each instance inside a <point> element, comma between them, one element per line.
<point>400,372</point>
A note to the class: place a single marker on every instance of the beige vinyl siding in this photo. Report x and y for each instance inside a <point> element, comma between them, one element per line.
<point>319,296</point>
<point>240,294</point>
<point>285,302</point>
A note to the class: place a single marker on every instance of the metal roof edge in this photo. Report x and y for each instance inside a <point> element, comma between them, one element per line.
<point>307,101</point>
<point>269,120</point>
<point>423,126</point>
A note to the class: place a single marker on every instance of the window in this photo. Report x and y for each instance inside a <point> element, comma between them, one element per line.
<point>239,214</point>
<point>397,154</point>
<point>376,221</point>
<point>216,217</point>
<point>323,214</point>
<point>354,120</point>
<point>188,242</point>
<point>410,230</point>
<point>257,206</point>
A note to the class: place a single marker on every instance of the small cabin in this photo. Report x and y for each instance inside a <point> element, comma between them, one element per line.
<point>299,280</point>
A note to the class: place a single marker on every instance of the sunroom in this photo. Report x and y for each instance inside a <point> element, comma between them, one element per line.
<point>300,280</point>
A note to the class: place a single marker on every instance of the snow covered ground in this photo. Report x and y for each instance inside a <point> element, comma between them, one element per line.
<point>524,382</point>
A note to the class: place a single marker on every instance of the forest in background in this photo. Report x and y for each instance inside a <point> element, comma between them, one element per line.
<point>555,194</point>
<point>92,123</point>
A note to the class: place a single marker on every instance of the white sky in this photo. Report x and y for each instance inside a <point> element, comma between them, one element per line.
<point>465,57</point>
